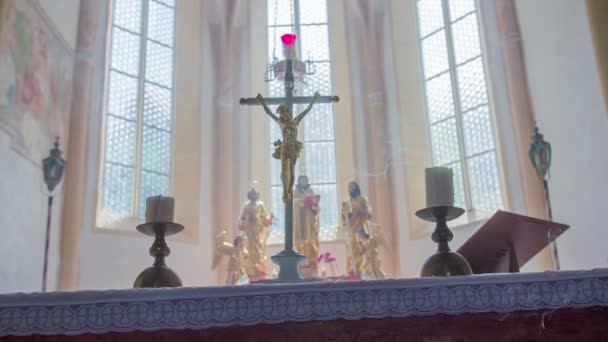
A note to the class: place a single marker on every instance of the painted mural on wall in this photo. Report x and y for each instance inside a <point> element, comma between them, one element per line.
<point>36,68</point>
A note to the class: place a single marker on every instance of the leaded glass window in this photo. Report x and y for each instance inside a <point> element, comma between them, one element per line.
<point>138,136</point>
<point>307,19</point>
<point>459,116</point>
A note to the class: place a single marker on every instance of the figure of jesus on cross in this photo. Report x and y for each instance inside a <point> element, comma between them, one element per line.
<point>288,151</point>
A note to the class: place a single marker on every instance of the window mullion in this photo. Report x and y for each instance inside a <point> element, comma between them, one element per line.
<point>296,29</point>
<point>140,109</point>
<point>457,104</point>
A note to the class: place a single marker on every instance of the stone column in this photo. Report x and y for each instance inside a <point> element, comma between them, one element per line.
<point>598,22</point>
<point>522,112</point>
<point>91,27</point>
<point>376,119</point>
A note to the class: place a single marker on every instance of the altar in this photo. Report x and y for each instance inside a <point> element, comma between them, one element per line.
<point>533,306</point>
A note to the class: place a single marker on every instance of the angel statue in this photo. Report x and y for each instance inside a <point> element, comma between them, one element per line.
<point>370,261</point>
<point>237,258</point>
<point>287,150</point>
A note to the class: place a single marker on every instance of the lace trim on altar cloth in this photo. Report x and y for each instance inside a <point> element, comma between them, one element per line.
<point>73,313</point>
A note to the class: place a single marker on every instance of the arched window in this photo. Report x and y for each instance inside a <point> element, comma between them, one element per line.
<point>307,19</point>
<point>138,123</point>
<point>460,124</point>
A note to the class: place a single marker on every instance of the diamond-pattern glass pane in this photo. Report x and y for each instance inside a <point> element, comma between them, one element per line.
<point>118,189</point>
<point>321,162</point>
<point>459,8</point>
<point>122,95</point>
<point>435,54</point>
<point>472,119</point>
<point>485,183</point>
<point>444,142</point>
<point>151,184</point>
<point>320,81</point>
<point>313,11</point>
<point>319,124</point>
<point>458,184</point>
<point>277,234</point>
<point>315,44</point>
<point>161,23</point>
<point>275,169</point>
<point>157,107</point>
<point>159,64</point>
<point>127,14</point>
<point>472,84</point>
<point>466,39</point>
<point>125,51</point>
<point>430,16</point>
<point>156,150</point>
<point>478,135</point>
<point>120,140</point>
<point>439,98</point>
<point>328,216</point>
<point>123,169</point>
<point>274,129</point>
<point>280,12</point>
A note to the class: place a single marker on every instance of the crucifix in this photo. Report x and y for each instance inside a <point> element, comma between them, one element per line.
<point>288,151</point>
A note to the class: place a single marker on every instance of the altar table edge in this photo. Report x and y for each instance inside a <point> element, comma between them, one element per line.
<point>80,312</point>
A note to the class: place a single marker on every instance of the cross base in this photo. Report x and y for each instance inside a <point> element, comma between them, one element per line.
<point>289,269</point>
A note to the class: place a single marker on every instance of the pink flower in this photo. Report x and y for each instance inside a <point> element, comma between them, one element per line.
<point>289,38</point>
<point>326,257</point>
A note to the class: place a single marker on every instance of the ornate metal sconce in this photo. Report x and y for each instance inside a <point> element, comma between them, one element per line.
<point>540,155</point>
<point>53,167</point>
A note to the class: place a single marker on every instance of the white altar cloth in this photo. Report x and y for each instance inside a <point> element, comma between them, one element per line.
<point>203,307</point>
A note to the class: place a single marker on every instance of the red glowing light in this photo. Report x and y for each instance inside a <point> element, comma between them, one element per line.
<point>289,38</point>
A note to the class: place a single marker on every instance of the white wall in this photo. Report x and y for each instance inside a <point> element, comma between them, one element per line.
<point>570,112</point>
<point>65,14</point>
<point>23,218</point>
<point>23,195</point>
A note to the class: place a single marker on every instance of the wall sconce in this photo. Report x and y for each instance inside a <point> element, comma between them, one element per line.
<point>53,167</point>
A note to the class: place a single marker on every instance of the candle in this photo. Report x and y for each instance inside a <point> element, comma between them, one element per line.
<point>439,186</point>
<point>159,209</point>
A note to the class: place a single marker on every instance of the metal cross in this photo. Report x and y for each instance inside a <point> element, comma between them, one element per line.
<point>289,100</point>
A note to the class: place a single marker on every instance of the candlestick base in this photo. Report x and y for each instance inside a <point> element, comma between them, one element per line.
<point>159,275</point>
<point>444,262</point>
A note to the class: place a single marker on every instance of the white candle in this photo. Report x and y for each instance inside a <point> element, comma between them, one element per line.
<point>439,186</point>
<point>159,209</point>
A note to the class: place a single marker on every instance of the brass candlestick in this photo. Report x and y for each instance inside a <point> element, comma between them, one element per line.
<point>444,262</point>
<point>159,275</point>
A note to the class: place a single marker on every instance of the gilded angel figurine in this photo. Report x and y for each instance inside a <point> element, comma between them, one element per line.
<point>237,258</point>
<point>254,222</point>
<point>370,261</point>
